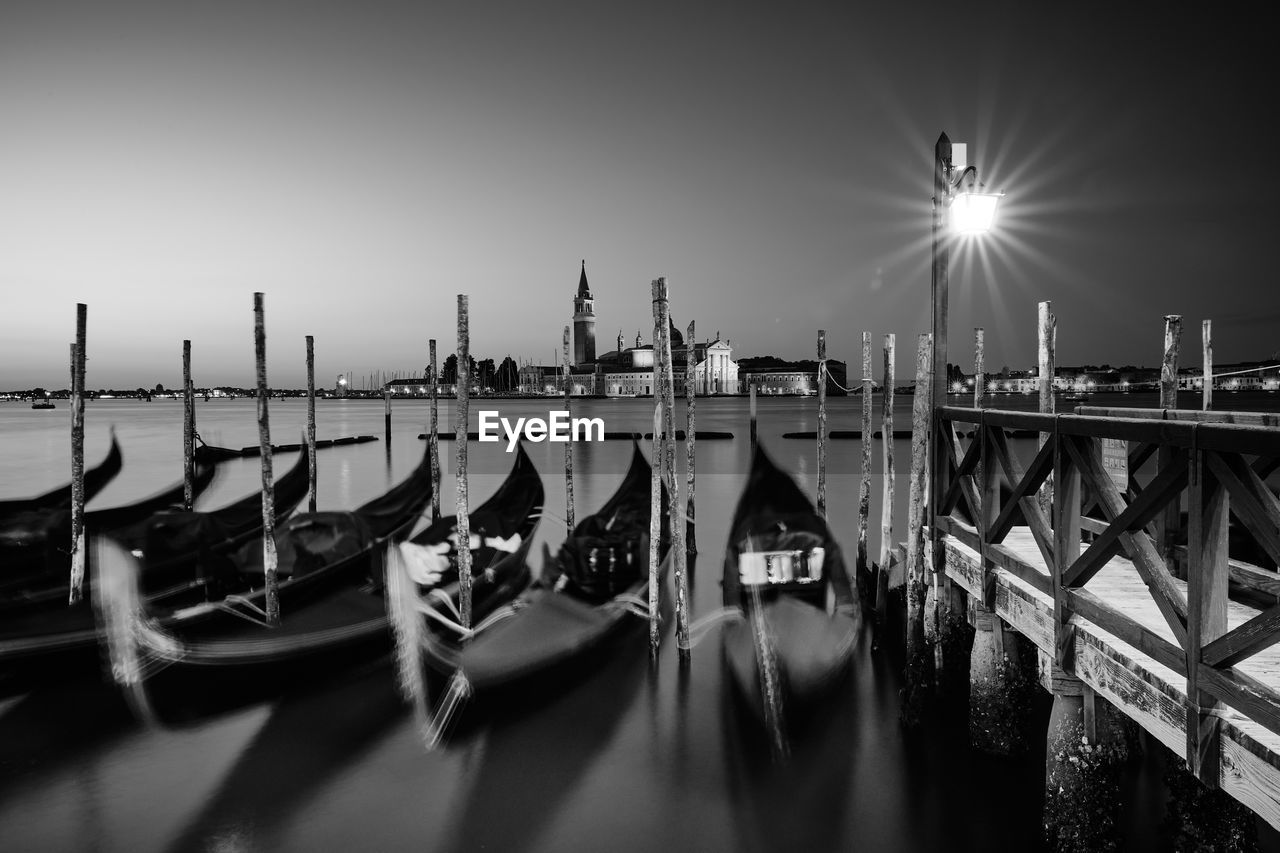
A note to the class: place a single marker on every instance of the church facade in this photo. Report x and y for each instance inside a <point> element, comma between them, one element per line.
<point>628,371</point>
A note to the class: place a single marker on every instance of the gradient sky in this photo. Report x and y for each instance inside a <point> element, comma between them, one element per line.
<point>364,163</point>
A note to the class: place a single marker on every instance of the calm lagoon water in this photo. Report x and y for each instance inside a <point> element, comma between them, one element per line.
<point>630,758</point>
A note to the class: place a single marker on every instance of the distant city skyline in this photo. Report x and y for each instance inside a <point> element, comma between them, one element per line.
<point>363,165</point>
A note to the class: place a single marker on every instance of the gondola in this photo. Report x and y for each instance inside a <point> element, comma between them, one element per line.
<point>19,516</point>
<point>784,572</point>
<point>41,635</point>
<point>331,603</point>
<point>583,599</point>
<point>37,561</point>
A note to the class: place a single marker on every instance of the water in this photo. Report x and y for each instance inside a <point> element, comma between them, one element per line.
<point>631,758</point>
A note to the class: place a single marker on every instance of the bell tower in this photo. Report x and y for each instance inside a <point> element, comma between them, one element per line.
<point>584,322</point>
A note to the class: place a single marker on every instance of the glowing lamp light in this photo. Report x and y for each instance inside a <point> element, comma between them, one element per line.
<point>974,213</point>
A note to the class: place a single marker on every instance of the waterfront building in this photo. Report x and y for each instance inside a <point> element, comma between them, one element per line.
<point>628,371</point>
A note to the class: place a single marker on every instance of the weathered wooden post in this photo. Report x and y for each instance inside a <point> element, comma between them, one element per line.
<point>664,362</point>
<point>917,571</point>
<point>887,494</point>
<point>862,564</point>
<point>1046,341</point>
<point>460,437</point>
<point>386,411</point>
<point>1206,338</point>
<point>311,424</point>
<point>568,445</point>
<point>690,389</point>
<point>77,455</point>
<point>1169,522</point>
<point>655,517</point>
<point>751,390</point>
<point>979,367</point>
<point>822,423</point>
<point>269,558</point>
<point>1169,363</point>
<point>188,430</point>
<point>433,436</point>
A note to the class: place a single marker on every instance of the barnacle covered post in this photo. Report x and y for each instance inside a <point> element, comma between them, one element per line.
<point>269,558</point>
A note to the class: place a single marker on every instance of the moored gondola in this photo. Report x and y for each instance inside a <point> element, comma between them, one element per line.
<point>785,573</point>
<point>26,523</point>
<point>42,636</point>
<point>584,597</point>
<point>331,602</point>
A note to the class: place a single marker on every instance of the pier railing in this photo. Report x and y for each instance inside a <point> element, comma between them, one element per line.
<point>1080,518</point>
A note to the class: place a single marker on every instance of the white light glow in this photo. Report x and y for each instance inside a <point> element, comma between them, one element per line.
<point>973,213</point>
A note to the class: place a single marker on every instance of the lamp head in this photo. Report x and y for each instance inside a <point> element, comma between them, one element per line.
<point>973,212</point>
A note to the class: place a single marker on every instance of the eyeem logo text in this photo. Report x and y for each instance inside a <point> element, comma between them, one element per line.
<point>558,427</point>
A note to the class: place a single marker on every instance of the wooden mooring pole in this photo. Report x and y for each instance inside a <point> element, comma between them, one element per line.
<point>887,493</point>
<point>311,424</point>
<point>690,391</point>
<point>188,430</point>
<point>679,557</point>
<point>1206,340</point>
<point>433,435</point>
<point>386,411</point>
<point>862,565</point>
<point>77,455</point>
<point>1046,342</point>
<point>917,572</point>
<point>979,367</point>
<point>464,520</point>
<point>269,557</point>
<point>822,423</point>
<point>1169,522</point>
<point>568,445</point>
<point>751,405</point>
<point>655,515</point>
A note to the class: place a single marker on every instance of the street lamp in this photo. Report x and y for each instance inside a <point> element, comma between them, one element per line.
<point>959,207</point>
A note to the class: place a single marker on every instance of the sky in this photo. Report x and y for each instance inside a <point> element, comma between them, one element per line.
<point>362,164</point>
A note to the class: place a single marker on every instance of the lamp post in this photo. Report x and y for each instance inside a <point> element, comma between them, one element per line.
<point>959,208</point>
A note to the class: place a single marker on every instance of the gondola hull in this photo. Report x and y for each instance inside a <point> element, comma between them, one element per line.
<point>785,573</point>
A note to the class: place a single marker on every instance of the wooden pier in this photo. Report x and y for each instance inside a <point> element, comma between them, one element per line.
<point>1124,601</point>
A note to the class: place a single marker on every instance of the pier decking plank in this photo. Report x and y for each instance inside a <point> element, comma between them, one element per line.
<point>1146,690</point>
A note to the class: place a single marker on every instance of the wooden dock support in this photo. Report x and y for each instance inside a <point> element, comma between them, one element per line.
<point>464,520</point>
<point>887,494</point>
<point>433,434</point>
<point>822,423</point>
<point>917,570</point>
<point>77,455</point>
<point>568,445</point>
<point>690,434</point>
<point>188,430</point>
<point>311,424</point>
<point>269,557</point>
<point>862,565</point>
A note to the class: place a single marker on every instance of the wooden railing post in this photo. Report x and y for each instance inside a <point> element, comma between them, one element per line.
<point>1066,547</point>
<point>1169,522</point>
<point>988,508</point>
<point>1207,577</point>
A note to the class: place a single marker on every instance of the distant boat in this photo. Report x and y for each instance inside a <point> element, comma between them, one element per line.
<point>43,404</point>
